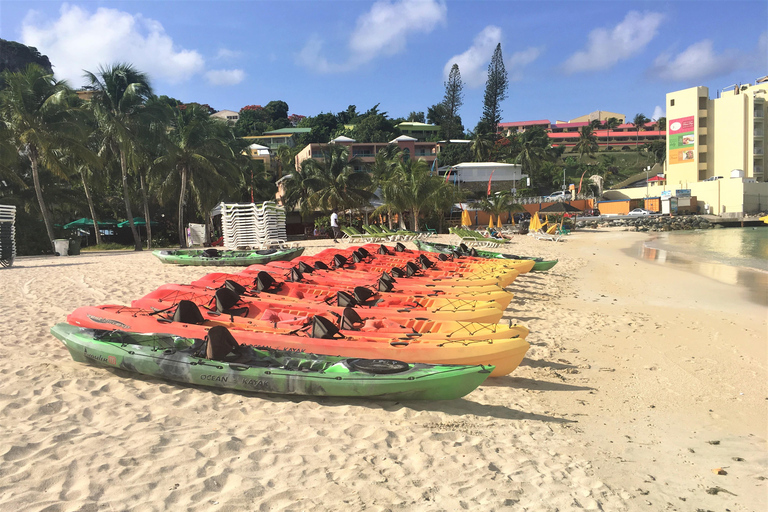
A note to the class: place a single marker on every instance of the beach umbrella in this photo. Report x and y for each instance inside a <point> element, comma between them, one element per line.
<point>535,223</point>
<point>498,222</point>
<point>559,208</point>
<point>490,222</point>
<point>465,221</point>
<point>139,221</point>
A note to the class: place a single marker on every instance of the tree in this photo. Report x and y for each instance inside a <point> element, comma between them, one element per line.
<point>639,122</point>
<point>16,57</point>
<point>122,91</point>
<point>499,203</point>
<point>661,124</point>
<point>495,92</point>
<point>333,182</point>
<point>453,100</point>
<point>452,154</point>
<point>386,180</point>
<point>417,189</point>
<point>534,150</point>
<point>587,143</point>
<point>202,158</point>
<point>481,147</point>
<point>39,115</point>
<point>416,117</point>
<point>611,123</point>
<point>374,126</point>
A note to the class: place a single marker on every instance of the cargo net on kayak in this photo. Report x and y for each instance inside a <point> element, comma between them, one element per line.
<point>252,226</point>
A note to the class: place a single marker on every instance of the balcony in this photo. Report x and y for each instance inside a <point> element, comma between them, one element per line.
<point>757,151</point>
<point>759,114</point>
<point>758,132</point>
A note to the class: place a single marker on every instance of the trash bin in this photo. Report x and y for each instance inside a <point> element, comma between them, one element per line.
<point>61,246</point>
<point>74,247</point>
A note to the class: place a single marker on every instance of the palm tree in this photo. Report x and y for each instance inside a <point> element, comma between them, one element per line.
<point>419,190</point>
<point>334,183</point>
<point>385,179</point>
<point>499,203</point>
<point>611,123</point>
<point>121,92</point>
<point>481,147</point>
<point>533,152</point>
<point>40,116</point>
<point>639,122</point>
<point>587,143</point>
<point>201,155</point>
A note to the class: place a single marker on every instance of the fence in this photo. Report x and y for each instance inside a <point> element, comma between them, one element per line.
<point>7,235</point>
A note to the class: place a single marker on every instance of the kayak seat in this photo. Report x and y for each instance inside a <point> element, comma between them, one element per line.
<point>266,283</point>
<point>221,346</point>
<point>211,253</point>
<point>226,299</point>
<point>187,312</point>
<point>350,320</point>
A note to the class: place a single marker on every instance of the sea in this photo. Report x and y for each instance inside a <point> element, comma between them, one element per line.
<point>736,256</point>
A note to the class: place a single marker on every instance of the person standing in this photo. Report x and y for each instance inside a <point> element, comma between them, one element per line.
<point>335,226</point>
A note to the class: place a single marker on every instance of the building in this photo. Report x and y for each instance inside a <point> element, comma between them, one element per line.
<point>715,152</point>
<point>276,138</point>
<point>229,116</point>
<point>419,131</point>
<point>601,115</point>
<point>366,151</point>
<point>713,137</point>
<point>622,138</point>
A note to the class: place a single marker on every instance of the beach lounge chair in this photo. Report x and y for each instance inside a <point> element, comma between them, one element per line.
<point>354,234</point>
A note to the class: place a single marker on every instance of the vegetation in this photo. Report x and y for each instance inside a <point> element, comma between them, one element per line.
<point>495,92</point>
<point>125,150</point>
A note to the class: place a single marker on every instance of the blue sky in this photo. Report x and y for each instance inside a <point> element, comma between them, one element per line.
<point>564,59</point>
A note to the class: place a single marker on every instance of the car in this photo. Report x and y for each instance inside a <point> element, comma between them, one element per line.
<point>714,178</point>
<point>556,196</point>
<point>639,211</point>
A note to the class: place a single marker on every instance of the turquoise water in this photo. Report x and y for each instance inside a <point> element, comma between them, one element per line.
<point>737,256</point>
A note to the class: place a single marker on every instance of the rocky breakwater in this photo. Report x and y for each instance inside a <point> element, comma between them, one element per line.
<point>664,223</point>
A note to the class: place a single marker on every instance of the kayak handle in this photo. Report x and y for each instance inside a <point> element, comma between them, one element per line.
<point>238,367</point>
<point>399,343</point>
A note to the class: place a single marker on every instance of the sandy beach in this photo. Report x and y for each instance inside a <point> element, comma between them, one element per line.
<point>643,382</point>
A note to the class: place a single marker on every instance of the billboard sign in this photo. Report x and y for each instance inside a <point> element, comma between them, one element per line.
<point>681,140</point>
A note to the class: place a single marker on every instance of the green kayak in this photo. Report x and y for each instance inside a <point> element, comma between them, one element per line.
<point>265,370</point>
<point>217,257</point>
<point>540,264</point>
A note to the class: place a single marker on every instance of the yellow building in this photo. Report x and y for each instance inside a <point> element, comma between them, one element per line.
<point>707,138</point>
<point>601,115</point>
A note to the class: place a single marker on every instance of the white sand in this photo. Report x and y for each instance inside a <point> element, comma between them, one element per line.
<point>635,370</point>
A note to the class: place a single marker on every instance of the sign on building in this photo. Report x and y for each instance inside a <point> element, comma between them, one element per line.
<point>681,140</point>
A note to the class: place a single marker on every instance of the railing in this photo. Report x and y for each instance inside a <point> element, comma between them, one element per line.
<point>758,113</point>
<point>757,151</point>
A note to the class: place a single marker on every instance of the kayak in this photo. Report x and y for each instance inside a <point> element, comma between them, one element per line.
<point>265,370</point>
<point>382,295</point>
<point>171,294</point>
<point>403,256</point>
<point>382,290</point>
<point>504,354</point>
<point>413,272</point>
<point>540,264</point>
<point>415,284</point>
<point>217,257</point>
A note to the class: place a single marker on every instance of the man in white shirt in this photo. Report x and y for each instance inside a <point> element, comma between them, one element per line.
<point>335,226</point>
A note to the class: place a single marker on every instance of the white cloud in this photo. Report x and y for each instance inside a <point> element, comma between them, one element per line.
<point>383,30</point>
<point>696,62</point>
<point>606,47</point>
<point>658,112</point>
<point>80,40</point>
<point>227,54</point>
<point>519,60</point>
<point>225,76</point>
<point>473,63</point>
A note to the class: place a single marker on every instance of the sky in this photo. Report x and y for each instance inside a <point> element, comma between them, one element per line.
<point>564,59</point>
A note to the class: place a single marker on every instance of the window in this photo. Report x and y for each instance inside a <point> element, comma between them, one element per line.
<point>671,103</point>
<point>406,154</point>
<point>703,103</point>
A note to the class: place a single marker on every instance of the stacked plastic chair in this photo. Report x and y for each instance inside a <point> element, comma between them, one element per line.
<point>7,235</point>
<point>248,225</point>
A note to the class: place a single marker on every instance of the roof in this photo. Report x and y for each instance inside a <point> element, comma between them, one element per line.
<point>570,125</point>
<point>257,146</point>
<point>402,138</point>
<point>288,131</point>
<point>342,138</point>
<point>483,165</point>
<point>420,126</point>
<point>524,123</point>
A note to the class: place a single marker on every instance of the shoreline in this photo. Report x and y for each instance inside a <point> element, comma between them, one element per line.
<point>627,385</point>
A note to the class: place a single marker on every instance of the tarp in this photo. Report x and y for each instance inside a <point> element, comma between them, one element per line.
<point>87,223</point>
<point>559,208</point>
<point>138,221</point>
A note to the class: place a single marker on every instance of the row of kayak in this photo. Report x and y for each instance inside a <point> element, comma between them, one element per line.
<point>372,321</point>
